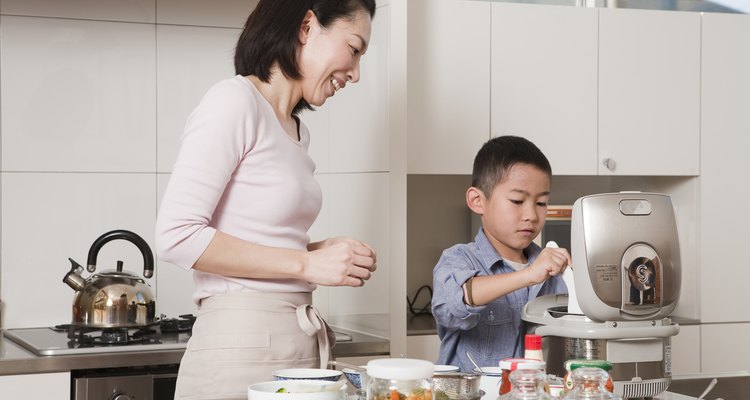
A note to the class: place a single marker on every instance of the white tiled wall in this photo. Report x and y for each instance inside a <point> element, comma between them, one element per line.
<point>106,10</point>
<point>94,96</point>
<point>189,59</point>
<point>48,217</point>
<point>77,95</point>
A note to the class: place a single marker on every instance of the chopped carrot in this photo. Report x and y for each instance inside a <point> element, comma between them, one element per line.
<point>394,394</point>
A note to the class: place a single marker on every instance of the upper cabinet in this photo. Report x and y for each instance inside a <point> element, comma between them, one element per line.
<point>600,91</point>
<point>543,79</point>
<point>725,139</point>
<point>448,84</point>
<point>649,92</point>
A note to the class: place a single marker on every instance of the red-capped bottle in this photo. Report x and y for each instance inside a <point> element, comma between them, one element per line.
<point>533,347</point>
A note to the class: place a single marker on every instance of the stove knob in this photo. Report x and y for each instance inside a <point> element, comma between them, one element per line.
<point>121,396</point>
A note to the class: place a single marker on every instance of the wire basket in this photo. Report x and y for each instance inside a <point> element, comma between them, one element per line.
<point>456,386</point>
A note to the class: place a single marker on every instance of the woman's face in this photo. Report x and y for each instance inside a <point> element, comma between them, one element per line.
<point>329,57</point>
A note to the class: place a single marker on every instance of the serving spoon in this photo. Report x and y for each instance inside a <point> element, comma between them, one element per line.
<point>708,389</point>
<point>475,363</point>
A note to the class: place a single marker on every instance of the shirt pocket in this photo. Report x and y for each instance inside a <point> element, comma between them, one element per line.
<point>494,335</point>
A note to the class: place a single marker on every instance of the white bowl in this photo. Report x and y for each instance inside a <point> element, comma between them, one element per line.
<point>445,368</point>
<point>307,373</point>
<point>297,389</point>
<point>490,381</point>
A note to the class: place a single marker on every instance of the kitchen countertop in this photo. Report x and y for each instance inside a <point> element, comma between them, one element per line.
<point>424,324</point>
<point>15,360</point>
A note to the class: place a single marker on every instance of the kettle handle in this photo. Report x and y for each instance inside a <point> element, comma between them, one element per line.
<point>148,256</point>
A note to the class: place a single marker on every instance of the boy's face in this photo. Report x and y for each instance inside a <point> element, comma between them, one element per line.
<point>514,215</point>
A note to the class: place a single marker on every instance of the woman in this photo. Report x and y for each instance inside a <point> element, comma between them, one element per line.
<point>242,196</point>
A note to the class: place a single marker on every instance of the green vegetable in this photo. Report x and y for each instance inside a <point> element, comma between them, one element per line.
<point>281,390</point>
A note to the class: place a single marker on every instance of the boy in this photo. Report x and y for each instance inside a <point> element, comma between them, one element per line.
<point>481,287</point>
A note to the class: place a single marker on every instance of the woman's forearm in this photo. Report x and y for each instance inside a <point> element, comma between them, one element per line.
<point>229,256</point>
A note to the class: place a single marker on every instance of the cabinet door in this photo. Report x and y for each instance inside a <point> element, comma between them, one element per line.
<point>722,350</point>
<point>649,88</point>
<point>448,84</point>
<point>543,81</point>
<point>423,347</point>
<point>36,386</point>
<point>686,355</point>
<point>725,141</point>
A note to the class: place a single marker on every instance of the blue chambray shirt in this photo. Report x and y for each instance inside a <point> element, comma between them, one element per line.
<point>490,332</point>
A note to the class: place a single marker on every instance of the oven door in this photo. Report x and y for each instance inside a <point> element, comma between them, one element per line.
<point>151,383</point>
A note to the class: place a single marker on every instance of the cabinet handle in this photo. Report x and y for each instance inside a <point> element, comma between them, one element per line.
<point>609,163</point>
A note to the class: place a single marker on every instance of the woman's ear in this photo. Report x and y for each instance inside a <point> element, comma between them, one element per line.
<point>475,200</point>
<point>307,24</point>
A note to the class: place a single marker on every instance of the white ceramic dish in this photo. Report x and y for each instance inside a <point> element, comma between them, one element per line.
<point>298,389</point>
<point>490,381</point>
<point>307,373</point>
<point>445,368</point>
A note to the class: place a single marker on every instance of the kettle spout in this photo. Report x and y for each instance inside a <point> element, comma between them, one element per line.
<point>73,278</point>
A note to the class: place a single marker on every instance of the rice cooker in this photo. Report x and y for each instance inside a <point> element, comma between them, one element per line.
<point>626,282</point>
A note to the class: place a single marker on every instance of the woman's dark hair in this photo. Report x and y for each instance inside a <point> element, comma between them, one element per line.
<point>499,155</point>
<point>272,30</point>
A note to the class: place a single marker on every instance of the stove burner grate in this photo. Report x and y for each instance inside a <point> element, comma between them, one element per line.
<point>81,336</point>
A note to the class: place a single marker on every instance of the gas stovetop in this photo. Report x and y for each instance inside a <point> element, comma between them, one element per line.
<point>165,334</point>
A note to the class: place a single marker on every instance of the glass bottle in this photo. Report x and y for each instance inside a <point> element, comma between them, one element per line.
<point>588,384</point>
<point>399,379</point>
<point>528,384</point>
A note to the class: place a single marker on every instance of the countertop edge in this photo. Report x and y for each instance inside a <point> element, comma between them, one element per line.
<point>15,360</point>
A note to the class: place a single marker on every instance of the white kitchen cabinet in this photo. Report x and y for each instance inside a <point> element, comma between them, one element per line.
<point>649,92</point>
<point>686,355</point>
<point>357,207</point>
<point>544,81</point>
<point>725,140</point>
<point>448,84</point>
<point>724,348</point>
<point>589,85</point>
<point>54,386</point>
<point>423,347</point>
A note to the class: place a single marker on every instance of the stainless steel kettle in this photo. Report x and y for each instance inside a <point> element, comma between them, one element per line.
<point>112,298</point>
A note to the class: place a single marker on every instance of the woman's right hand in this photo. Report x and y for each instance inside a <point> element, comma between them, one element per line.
<point>340,261</point>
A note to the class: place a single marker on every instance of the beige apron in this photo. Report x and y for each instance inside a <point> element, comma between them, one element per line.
<point>241,338</point>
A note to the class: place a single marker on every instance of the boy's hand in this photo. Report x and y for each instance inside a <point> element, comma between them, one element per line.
<point>550,262</point>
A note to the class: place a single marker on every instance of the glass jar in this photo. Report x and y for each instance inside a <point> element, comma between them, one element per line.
<point>588,384</point>
<point>528,384</point>
<point>572,365</point>
<point>399,379</point>
<point>508,365</point>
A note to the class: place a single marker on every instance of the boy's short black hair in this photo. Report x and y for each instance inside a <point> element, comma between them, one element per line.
<point>499,155</point>
<point>271,35</point>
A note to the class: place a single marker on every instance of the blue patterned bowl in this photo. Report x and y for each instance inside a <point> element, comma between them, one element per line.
<point>307,373</point>
<point>354,377</point>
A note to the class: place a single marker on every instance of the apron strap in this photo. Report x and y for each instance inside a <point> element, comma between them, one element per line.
<point>313,325</point>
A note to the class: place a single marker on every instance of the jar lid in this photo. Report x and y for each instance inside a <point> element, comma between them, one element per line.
<point>571,365</point>
<point>512,364</point>
<point>400,368</point>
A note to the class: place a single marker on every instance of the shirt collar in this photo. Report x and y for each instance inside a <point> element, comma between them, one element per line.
<point>490,256</point>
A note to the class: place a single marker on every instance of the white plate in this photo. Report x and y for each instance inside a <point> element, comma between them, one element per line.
<point>307,373</point>
<point>297,390</point>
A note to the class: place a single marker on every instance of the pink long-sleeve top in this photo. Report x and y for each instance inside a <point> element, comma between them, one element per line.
<point>238,172</point>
